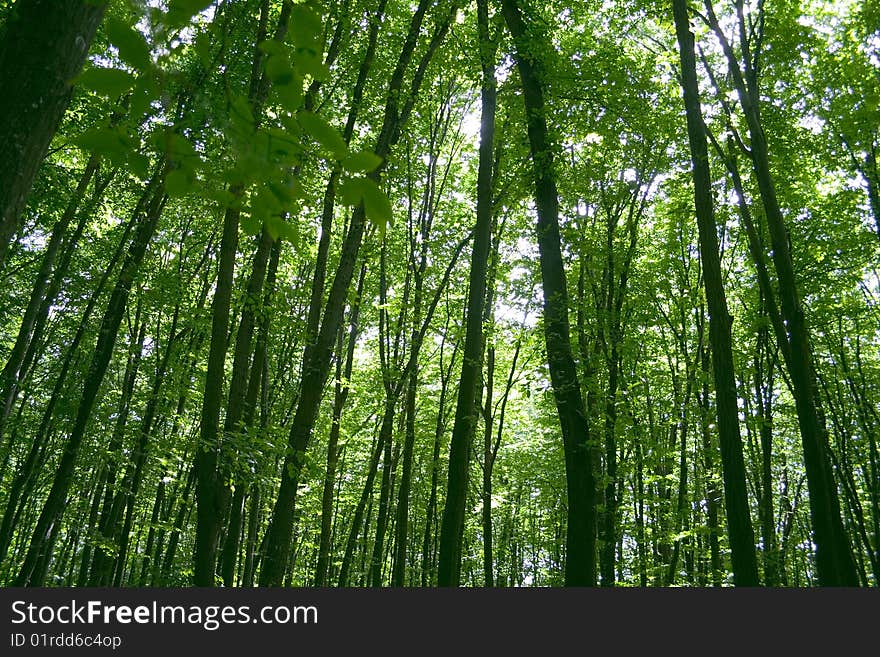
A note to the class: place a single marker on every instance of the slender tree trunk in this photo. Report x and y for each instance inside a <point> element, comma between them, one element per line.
<point>429,536</point>
<point>23,482</point>
<point>712,494</point>
<point>238,388</point>
<point>316,360</point>
<point>53,509</point>
<point>212,494</point>
<point>103,558</point>
<point>343,382</point>
<point>357,522</point>
<point>742,538</point>
<point>10,377</point>
<point>763,388</point>
<point>486,484</point>
<point>580,565</point>
<point>466,412</point>
<point>834,560</point>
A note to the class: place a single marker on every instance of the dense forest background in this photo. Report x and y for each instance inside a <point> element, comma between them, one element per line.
<point>493,293</point>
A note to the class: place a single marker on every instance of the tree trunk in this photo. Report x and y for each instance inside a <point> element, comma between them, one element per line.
<point>12,374</point>
<point>343,379</point>
<point>50,518</point>
<point>466,412</point>
<point>44,45</point>
<point>580,564</point>
<point>834,560</point>
<point>316,360</point>
<point>212,494</point>
<point>739,523</point>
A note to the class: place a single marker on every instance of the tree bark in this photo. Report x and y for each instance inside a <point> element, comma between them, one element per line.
<point>53,509</point>
<point>316,360</point>
<point>466,411</point>
<point>834,560</point>
<point>742,537</point>
<point>580,564</point>
<point>44,46</point>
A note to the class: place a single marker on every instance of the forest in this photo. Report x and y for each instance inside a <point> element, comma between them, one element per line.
<point>485,293</point>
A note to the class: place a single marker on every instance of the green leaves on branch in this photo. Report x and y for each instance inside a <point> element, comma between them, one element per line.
<point>118,146</point>
<point>274,202</point>
<point>305,30</point>
<point>377,206</point>
<point>305,27</point>
<point>322,132</point>
<point>286,81</point>
<point>179,182</point>
<point>278,228</point>
<point>362,162</point>
<point>109,82</point>
<point>132,46</point>
<point>180,12</point>
<point>182,179</point>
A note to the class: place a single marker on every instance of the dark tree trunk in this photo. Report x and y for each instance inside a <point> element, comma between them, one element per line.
<point>742,537</point>
<point>102,560</point>
<point>712,493</point>
<point>834,560</point>
<point>466,411</point>
<point>212,494</point>
<point>341,393</point>
<point>580,564</point>
<point>318,356</point>
<point>357,521</point>
<point>50,518</point>
<point>238,389</point>
<point>12,373</point>
<point>429,540</point>
<point>24,479</point>
<point>44,46</point>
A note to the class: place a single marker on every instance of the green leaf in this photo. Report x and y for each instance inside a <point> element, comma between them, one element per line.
<point>323,133</point>
<point>376,204</point>
<point>138,163</point>
<point>305,27</point>
<point>203,50</point>
<point>312,64</point>
<point>180,148</point>
<point>291,95</point>
<point>178,182</point>
<point>181,11</point>
<point>144,92</point>
<point>250,224</point>
<point>110,82</point>
<point>117,146</point>
<point>222,196</point>
<point>351,191</point>
<point>105,141</point>
<point>241,116</point>
<point>264,203</point>
<point>282,142</point>
<point>279,70</point>
<point>272,47</point>
<point>283,193</point>
<point>362,162</point>
<point>133,48</point>
<point>277,227</point>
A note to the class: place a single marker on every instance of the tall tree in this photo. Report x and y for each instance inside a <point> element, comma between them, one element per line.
<point>466,411</point>
<point>43,45</point>
<point>742,537</point>
<point>580,564</point>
